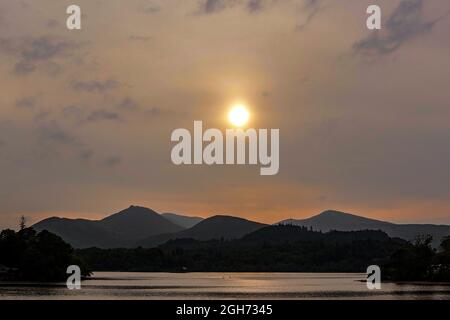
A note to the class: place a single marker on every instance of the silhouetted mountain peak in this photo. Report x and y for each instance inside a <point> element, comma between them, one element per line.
<point>131,212</point>
<point>336,220</point>
<point>333,213</point>
<point>224,217</point>
<point>343,216</point>
<point>215,227</point>
<point>226,221</point>
<point>137,222</point>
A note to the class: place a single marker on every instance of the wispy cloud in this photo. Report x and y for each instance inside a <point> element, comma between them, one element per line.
<point>215,6</point>
<point>112,161</point>
<point>26,102</point>
<point>52,133</point>
<point>404,24</point>
<point>128,104</point>
<point>212,6</point>
<point>31,52</point>
<point>312,7</point>
<point>42,115</point>
<point>150,8</point>
<point>100,115</point>
<point>255,5</point>
<point>95,85</point>
<point>81,115</point>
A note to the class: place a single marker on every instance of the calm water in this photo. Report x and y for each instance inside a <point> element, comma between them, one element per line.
<point>122,285</point>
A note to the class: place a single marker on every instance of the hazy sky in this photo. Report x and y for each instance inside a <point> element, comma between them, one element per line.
<point>86,116</point>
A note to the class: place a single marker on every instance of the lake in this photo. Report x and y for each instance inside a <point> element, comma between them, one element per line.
<point>211,285</point>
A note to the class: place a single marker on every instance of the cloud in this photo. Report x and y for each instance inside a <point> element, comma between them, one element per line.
<point>312,8</point>
<point>112,161</point>
<point>100,115</point>
<point>95,86</point>
<point>52,133</point>
<point>128,104</point>
<point>27,102</point>
<point>255,5</point>
<point>150,7</point>
<point>154,112</point>
<point>42,115</point>
<point>212,6</point>
<point>141,110</point>
<point>31,52</point>
<point>53,68</point>
<point>404,24</point>
<point>23,68</point>
<point>215,6</point>
<point>82,115</point>
<point>73,112</point>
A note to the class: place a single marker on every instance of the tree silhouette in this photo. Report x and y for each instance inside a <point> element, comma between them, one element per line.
<point>419,261</point>
<point>23,222</point>
<point>283,248</point>
<point>36,256</point>
<point>445,246</point>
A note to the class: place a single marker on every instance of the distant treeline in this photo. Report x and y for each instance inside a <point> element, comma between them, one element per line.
<point>287,249</point>
<point>43,256</point>
<point>270,249</point>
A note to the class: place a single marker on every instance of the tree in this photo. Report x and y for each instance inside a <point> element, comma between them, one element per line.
<point>443,255</point>
<point>36,256</point>
<point>23,222</point>
<point>445,246</point>
<point>412,262</point>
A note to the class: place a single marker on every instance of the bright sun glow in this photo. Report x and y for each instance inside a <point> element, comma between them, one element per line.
<point>238,115</point>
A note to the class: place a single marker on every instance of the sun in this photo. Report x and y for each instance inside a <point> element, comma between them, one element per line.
<point>238,115</point>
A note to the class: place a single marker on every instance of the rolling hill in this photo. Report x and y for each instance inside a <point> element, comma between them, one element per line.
<point>216,227</point>
<point>80,233</point>
<point>341,221</point>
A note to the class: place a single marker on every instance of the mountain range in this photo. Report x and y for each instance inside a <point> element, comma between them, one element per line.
<point>121,229</point>
<point>340,221</point>
<point>138,226</point>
